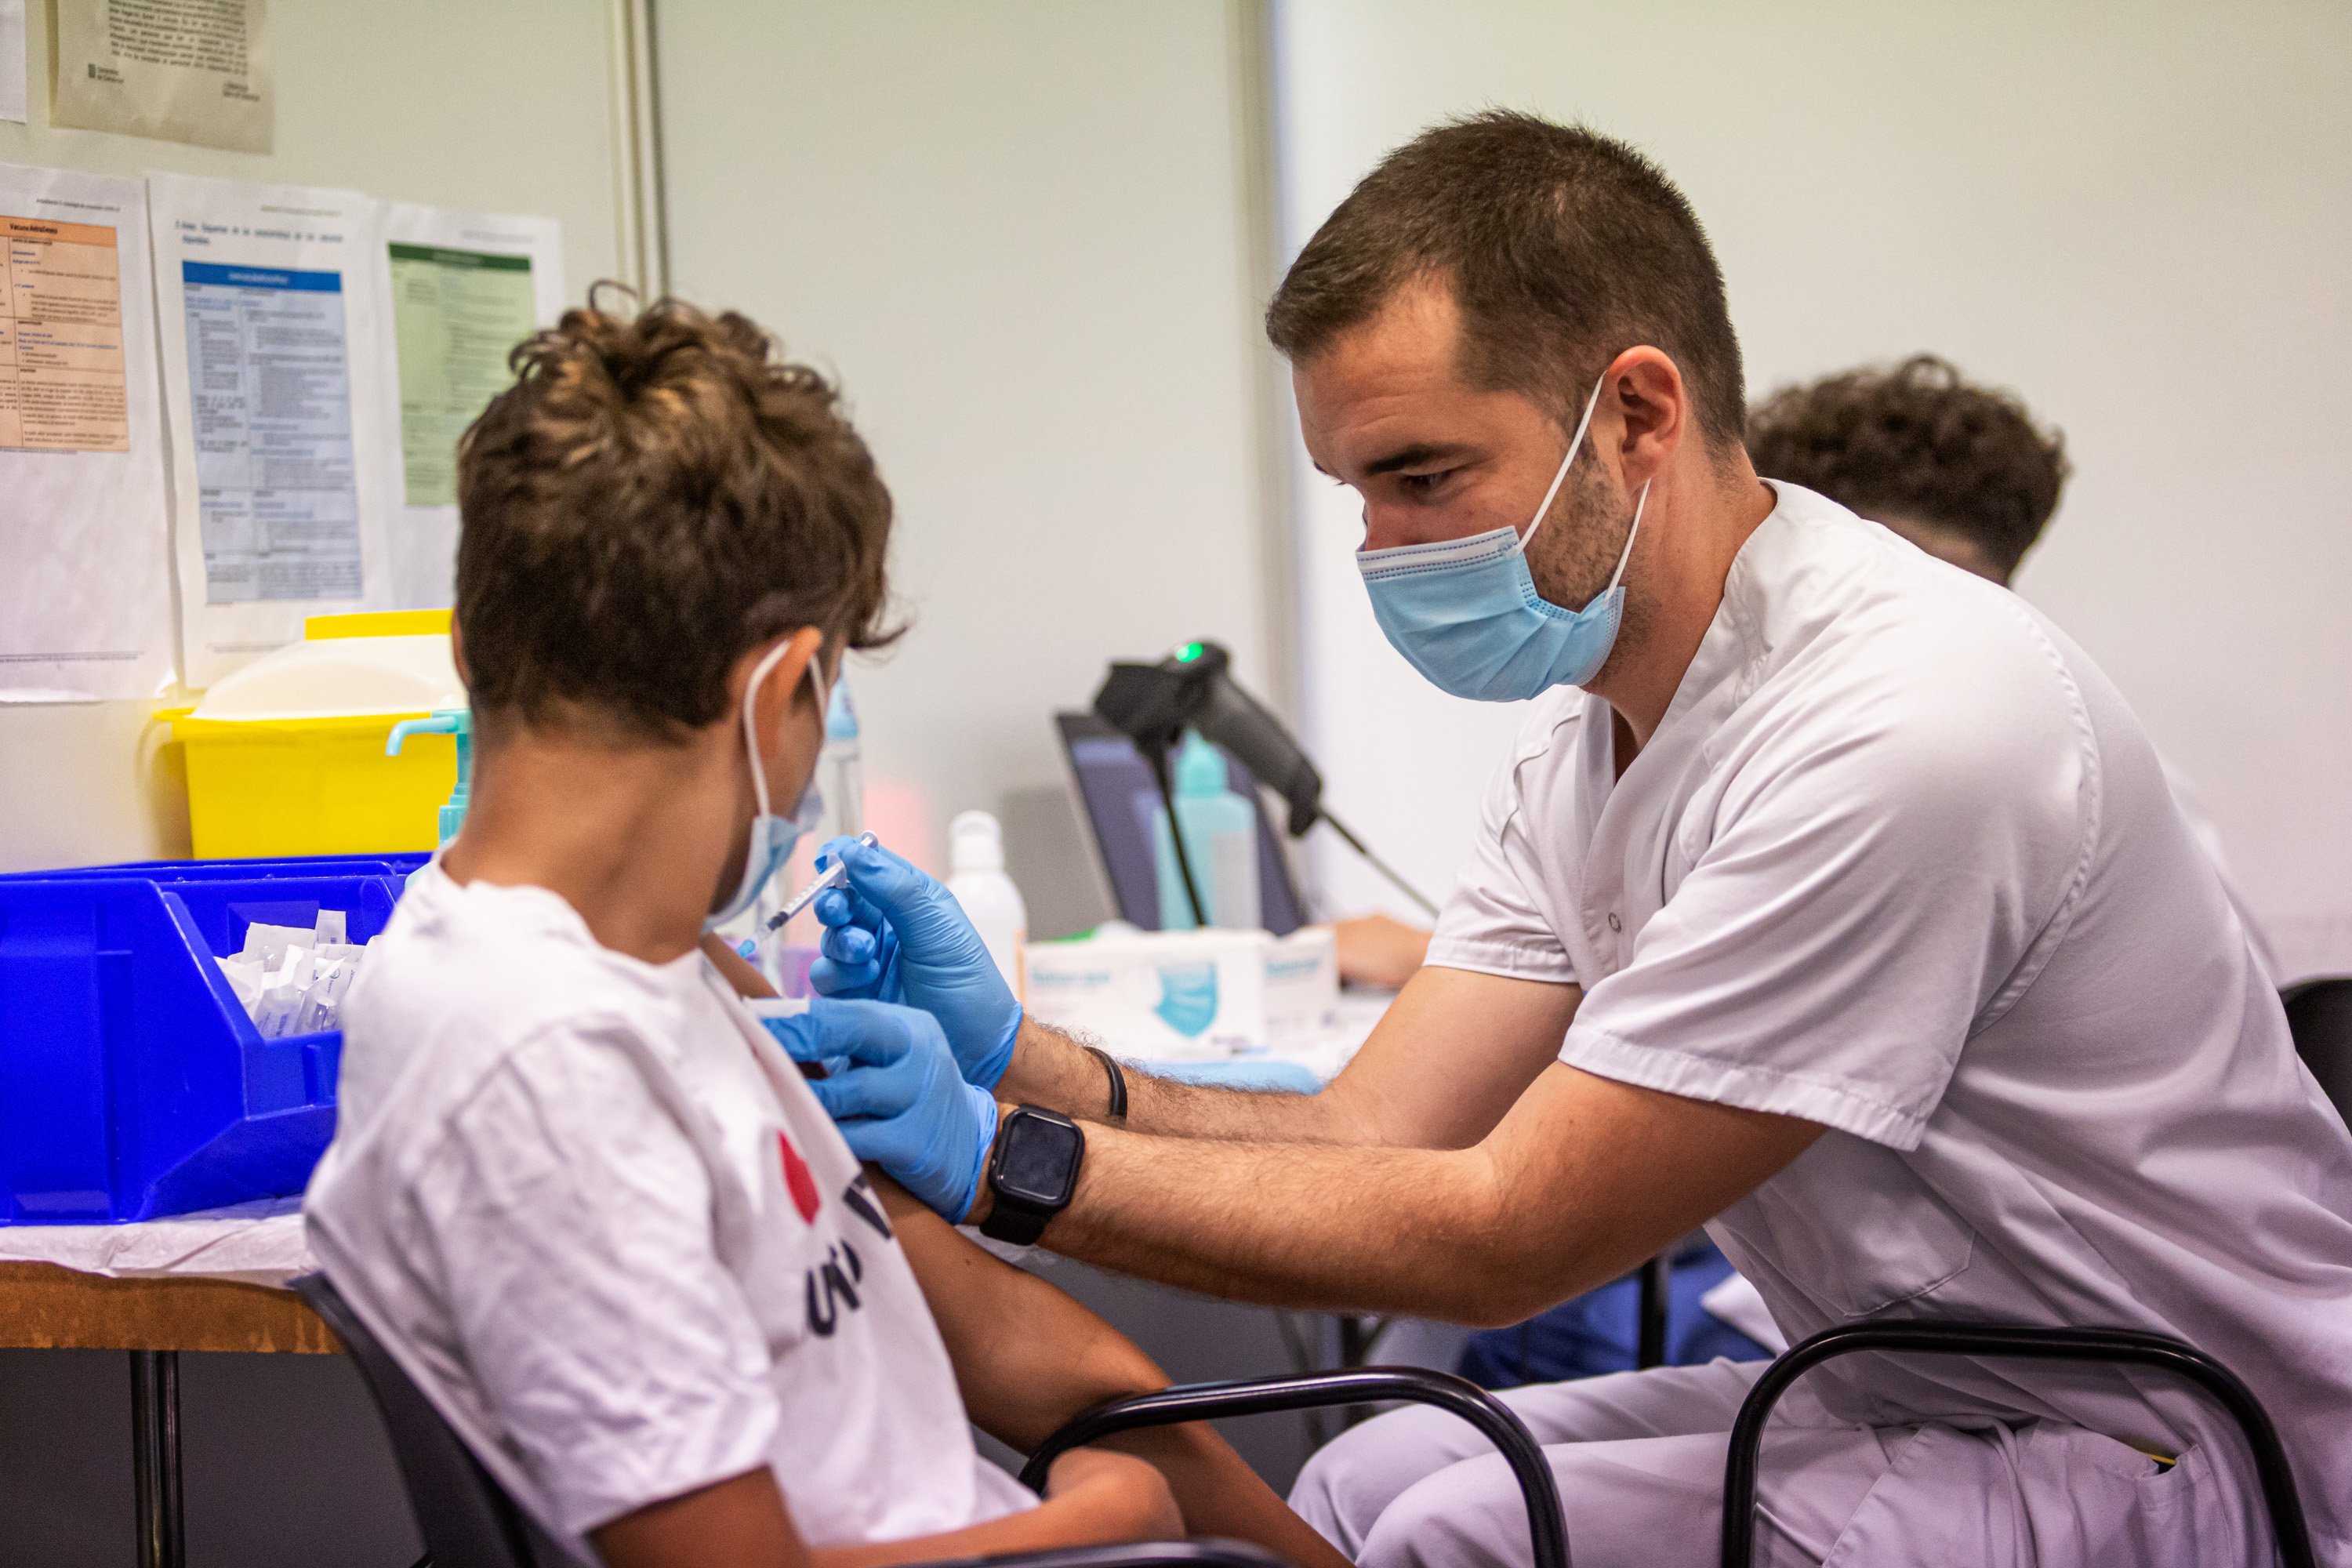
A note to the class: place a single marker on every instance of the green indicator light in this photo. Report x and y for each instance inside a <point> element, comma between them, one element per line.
<point>1188,653</point>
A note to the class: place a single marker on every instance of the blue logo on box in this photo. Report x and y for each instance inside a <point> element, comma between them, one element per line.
<point>1188,997</point>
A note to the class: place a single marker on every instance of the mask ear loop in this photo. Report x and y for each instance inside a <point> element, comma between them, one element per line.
<point>1575,445</point>
<point>1639,502</point>
<point>751,732</point>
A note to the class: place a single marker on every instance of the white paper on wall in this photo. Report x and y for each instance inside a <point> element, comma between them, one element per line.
<point>269,305</point>
<point>12,61</point>
<point>86,594</point>
<point>466,288</point>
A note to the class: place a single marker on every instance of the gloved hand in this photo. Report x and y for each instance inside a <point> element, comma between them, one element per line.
<point>899,1101</point>
<point>894,935</point>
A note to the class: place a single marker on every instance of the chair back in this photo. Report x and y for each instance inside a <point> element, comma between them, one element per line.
<point>466,1517</point>
<point>2127,1347</point>
<point>2319,1015</point>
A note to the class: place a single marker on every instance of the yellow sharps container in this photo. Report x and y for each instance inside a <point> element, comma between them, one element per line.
<point>287,756</point>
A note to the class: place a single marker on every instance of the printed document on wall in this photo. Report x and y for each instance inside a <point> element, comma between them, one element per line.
<point>84,544</point>
<point>180,70</point>
<point>269,301</point>
<point>466,289</point>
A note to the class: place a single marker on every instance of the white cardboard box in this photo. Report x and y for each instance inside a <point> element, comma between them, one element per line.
<point>1186,996</point>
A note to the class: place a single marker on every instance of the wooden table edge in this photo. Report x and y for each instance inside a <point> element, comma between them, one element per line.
<point>44,1306</point>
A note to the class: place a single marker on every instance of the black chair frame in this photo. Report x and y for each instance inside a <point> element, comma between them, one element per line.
<point>1547,1527</point>
<point>2116,1346</point>
<point>468,1520</point>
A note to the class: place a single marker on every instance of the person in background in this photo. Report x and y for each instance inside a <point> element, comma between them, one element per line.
<point>1379,951</point>
<point>1964,472</point>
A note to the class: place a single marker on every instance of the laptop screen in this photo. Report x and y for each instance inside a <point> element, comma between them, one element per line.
<point>1122,802</point>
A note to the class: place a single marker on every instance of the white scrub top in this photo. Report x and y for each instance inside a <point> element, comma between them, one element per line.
<point>1899,861</point>
<point>595,1213</point>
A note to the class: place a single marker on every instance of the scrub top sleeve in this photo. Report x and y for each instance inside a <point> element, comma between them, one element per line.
<point>571,1217</point>
<point>1862,909</point>
<point>1493,923</point>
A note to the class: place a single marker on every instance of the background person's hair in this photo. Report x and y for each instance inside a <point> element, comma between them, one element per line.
<point>1917,443</point>
<point>1562,247</point>
<point>657,494</point>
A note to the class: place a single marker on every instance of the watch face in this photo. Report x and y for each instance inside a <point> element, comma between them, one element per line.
<point>1040,1159</point>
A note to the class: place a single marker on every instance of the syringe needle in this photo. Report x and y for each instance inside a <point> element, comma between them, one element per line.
<point>833,876</point>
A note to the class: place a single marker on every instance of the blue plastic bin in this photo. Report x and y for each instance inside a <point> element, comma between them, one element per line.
<point>132,1085</point>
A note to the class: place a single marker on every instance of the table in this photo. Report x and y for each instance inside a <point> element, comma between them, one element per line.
<point>44,1306</point>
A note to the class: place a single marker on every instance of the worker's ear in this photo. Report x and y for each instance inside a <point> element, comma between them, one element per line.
<point>1648,404</point>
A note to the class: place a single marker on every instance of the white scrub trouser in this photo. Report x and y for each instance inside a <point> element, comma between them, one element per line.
<point>1639,1458</point>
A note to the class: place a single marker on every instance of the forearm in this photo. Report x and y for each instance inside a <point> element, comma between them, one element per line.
<point>1584,1179</point>
<point>1053,1070</point>
<point>1221,1496</point>
<point>1093,1512</point>
<point>1450,1058</point>
<point>1434,1233</point>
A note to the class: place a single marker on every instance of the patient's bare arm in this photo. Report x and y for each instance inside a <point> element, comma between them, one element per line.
<point>1028,1358</point>
<point>1091,1499</point>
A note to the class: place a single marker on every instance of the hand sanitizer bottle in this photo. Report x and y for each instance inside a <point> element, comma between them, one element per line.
<point>1219,830</point>
<point>976,876</point>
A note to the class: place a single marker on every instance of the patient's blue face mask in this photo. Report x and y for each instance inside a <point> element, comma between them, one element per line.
<point>1465,613</point>
<point>772,836</point>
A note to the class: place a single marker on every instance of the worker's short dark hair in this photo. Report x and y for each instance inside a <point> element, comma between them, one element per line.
<point>1562,248</point>
<point>1915,442</point>
<point>658,493</point>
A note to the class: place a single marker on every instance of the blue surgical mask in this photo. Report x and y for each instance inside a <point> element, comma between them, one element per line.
<point>1465,613</point>
<point>772,836</point>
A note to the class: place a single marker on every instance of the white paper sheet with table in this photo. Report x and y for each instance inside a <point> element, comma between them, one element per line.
<point>86,601</point>
<point>257,1243</point>
<point>466,289</point>
<point>269,301</point>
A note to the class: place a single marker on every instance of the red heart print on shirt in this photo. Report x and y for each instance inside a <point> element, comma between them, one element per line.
<point>797,1179</point>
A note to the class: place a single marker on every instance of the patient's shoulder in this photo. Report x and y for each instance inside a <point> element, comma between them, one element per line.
<point>466,975</point>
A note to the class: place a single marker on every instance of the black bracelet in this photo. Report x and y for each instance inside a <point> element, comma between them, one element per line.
<point>1117,1083</point>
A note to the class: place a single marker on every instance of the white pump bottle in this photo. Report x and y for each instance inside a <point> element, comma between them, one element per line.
<point>976,876</point>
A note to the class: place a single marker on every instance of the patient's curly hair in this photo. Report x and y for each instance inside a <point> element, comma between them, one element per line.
<point>1918,443</point>
<point>658,493</point>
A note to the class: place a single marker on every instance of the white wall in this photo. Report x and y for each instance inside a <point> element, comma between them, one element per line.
<point>503,108</point>
<point>2136,215</point>
<point>1018,235</point>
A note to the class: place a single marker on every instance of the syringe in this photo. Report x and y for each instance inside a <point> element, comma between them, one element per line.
<point>833,876</point>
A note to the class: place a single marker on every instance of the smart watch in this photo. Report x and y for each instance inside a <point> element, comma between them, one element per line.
<point>1033,1172</point>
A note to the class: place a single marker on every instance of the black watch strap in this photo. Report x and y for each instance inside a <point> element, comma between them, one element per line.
<point>1015,1222</point>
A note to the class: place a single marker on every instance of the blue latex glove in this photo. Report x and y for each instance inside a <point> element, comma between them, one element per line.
<point>899,1101</point>
<point>894,935</point>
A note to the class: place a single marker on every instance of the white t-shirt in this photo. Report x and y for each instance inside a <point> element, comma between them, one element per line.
<point>595,1213</point>
<point>1899,860</point>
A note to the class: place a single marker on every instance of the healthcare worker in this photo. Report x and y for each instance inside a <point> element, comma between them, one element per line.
<point>1827,897</point>
<point>1964,472</point>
